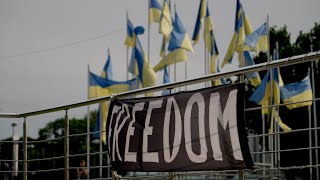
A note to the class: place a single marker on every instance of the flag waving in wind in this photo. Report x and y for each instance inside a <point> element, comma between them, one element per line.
<point>263,93</point>
<point>165,27</point>
<point>146,74</point>
<point>179,37</point>
<point>154,11</point>
<point>258,40</point>
<point>107,69</point>
<point>242,28</point>
<point>253,77</point>
<point>99,87</point>
<point>131,36</point>
<point>298,91</point>
<point>210,41</point>
<point>200,16</point>
<point>103,106</point>
<point>178,46</point>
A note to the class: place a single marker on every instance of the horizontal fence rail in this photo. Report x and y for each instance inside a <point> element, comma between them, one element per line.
<point>258,67</point>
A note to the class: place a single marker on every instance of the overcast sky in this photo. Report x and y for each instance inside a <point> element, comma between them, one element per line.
<point>46,46</point>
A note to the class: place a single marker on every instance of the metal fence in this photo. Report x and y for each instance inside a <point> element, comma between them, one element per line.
<point>266,147</point>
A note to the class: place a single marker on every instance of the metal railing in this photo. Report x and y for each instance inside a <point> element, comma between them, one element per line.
<point>263,166</point>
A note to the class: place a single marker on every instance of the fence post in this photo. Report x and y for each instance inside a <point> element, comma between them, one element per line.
<point>25,152</point>
<point>241,174</point>
<point>66,147</point>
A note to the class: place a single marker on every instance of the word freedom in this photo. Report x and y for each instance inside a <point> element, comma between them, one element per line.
<point>177,131</point>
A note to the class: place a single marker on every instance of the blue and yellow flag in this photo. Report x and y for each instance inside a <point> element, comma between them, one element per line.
<point>107,69</point>
<point>257,40</point>
<point>154,11</point>
<point>178,46</point>
<point>242,28</point>
<point>253,77</point>
<point>146,75</point>
<point>262,97</point>
<point>298,91</point>
<point>179,37</point>
<point>130,39</point>
<point>208,31</point>
<point>175,56</point>
<point>214,54</point>
<point>99,87</point>
<point>165,27</point>
<point>262,94</point>
<point>200,16</point>
<point>211,44</point>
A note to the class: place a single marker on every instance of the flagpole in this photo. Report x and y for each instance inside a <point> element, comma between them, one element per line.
<point>205,60</point>
<point>314,115</point>
<point>88,124</point>
<point>271,95</point>
<point>277,128</point>
<point>175,57</point>
<point>127,63</point>
<point>272,88</point>
<point>148,31</point>
<point>171,174</point>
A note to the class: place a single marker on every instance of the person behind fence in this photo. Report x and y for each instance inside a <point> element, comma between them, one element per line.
<point>82,172</point>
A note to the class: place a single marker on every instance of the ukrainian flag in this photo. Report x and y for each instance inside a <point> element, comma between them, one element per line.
<point>146,75</point>
<point>254,77</point>
<point>130,39</point>
<point>262,94</point>
<point>178,45</point>
<point>298,91</point>
<point>258,40</point>
<point>242,28</point>
<point>179,37</point>
<point>210,41</point>
<point>208,30</point>
<point>154,11</point>
<point>99,87</point>
<point>133,67</point>
<point>175,56</point>
<point>107,69</point>
<point>165,27</point>
<point>200,16</point>
<point>214,54</point>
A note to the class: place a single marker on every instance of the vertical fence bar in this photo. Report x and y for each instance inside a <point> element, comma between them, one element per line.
<point>310,142</point>
<point>100,142</point>
<point>241,174</point>
<point>25,152</point>
<point>88,128</point>
<point>315,123</point>
<point>66,147</point>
